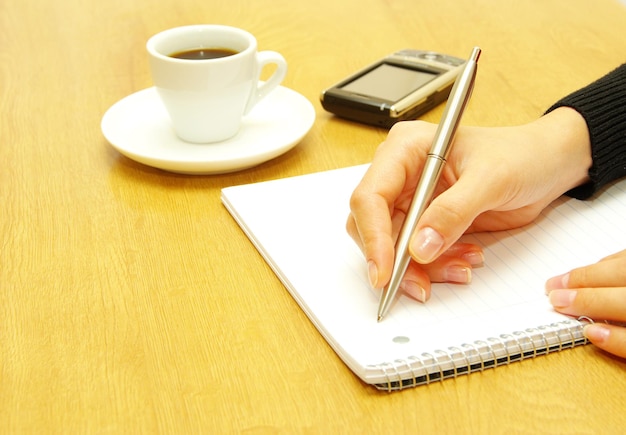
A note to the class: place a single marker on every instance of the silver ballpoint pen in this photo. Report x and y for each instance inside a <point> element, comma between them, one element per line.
<point>433,167</point>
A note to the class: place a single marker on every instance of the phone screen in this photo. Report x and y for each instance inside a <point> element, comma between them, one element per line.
<point>389,82</point>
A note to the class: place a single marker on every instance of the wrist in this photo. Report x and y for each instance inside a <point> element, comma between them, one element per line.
<point>565,131</point>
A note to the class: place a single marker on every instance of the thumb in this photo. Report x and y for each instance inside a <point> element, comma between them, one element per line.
<point>446,219</point>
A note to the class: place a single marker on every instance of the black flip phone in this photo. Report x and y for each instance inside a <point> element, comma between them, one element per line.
<point>402,86</point>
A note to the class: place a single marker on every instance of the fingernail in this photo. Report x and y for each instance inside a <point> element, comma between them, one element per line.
<point>372,273</point>
<point>562,298</point>
<point>414,290</point>
<point>458,274</point>
<point>426,244</point>
<point>597,333</point>
<point>475,258</point>
<point>557,282</point>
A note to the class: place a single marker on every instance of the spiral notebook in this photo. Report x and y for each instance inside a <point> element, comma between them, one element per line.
<point>503,316</point>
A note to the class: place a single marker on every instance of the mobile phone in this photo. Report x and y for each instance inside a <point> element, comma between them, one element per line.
<point>401,86</point>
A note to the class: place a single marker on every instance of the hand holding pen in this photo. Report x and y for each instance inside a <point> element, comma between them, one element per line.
<point>495,178</point>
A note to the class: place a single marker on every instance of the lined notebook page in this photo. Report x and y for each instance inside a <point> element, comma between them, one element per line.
<point>298,225</point>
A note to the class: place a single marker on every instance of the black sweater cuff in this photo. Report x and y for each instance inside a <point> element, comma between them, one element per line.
<point>603,106</point>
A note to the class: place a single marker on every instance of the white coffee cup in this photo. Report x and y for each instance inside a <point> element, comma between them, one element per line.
<point>206,99</point>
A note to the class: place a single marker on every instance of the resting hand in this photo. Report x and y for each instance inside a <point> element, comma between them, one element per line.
<point>597,291</point>
<point>494,179</point>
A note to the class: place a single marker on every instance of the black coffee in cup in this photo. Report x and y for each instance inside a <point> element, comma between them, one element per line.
<point>203,53</point>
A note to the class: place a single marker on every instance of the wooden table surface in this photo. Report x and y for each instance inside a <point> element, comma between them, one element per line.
<point>131,302</point>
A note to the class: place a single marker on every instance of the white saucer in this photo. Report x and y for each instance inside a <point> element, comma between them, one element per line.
<point>138,127</point>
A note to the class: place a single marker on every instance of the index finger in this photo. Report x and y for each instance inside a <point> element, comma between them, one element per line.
<point>379,202</point>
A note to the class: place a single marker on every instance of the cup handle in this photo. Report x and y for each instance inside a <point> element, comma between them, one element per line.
<point>261,89</point>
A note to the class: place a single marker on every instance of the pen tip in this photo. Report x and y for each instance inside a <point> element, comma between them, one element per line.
<point>379,318</point>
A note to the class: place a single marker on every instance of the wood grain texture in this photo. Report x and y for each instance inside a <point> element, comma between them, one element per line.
<point>130,301</point>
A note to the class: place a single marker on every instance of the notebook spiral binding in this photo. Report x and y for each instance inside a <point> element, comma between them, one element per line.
<point>481,355</point>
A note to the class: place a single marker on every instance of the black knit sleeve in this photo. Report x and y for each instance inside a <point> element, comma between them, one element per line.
<point>603,105</point>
